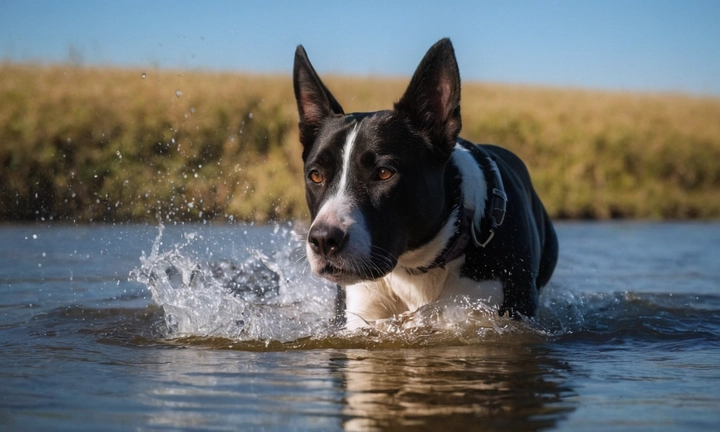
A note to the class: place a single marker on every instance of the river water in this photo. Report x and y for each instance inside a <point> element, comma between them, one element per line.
<point>200,327</point>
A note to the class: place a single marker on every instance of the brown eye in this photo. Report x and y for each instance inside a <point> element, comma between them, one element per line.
<point>385,173</point>
<point>316,177</point>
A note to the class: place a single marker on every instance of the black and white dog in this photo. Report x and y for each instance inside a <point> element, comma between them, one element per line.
<point>404,212</point>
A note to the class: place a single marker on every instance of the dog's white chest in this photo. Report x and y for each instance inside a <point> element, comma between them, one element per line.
<point>400,292</point>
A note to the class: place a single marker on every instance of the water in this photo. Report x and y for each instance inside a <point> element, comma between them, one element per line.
<point>199,327</point>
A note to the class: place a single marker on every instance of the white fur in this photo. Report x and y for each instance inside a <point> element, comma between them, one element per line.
<point>347,151</point>
<point>400,292</point>
<point>474,186</point>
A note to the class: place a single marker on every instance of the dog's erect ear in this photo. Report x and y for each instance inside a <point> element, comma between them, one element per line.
<point>432,99</point>
<point>315,102</point>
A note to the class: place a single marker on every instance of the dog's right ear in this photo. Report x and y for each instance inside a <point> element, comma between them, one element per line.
<point>315,102</point>
<point>432,99</point>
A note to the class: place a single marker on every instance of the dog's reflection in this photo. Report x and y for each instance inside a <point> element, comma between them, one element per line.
<point>493,387</point>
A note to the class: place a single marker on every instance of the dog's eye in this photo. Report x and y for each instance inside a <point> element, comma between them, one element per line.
<point>316,177</point>
<point>385,173</point>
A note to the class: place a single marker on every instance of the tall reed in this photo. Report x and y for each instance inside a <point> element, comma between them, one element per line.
<point>91,144</point>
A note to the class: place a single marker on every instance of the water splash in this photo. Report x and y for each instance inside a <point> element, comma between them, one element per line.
<point>254,297</point>
<point>264,297</point>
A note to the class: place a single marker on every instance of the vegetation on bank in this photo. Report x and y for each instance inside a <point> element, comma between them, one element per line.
<point>90,144</point>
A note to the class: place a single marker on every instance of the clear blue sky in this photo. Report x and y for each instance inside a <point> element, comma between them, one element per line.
<point>645,45</point>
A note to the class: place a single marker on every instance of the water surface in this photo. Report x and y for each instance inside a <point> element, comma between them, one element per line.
<point>221,327</point>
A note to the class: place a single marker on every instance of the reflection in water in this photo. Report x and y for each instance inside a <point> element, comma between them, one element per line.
<point>236,390</point>
<point>489,387</point>
<point>494,386</point>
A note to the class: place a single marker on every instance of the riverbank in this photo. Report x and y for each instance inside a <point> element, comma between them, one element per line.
<point>110,144</point>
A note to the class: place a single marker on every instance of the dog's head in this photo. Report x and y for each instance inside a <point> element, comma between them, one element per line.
<point>375,182</point>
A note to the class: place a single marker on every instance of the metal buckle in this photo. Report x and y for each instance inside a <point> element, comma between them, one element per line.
<point>498,209</point>
<point>477,242</point>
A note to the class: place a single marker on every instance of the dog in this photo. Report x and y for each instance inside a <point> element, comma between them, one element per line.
<point>405,212</point>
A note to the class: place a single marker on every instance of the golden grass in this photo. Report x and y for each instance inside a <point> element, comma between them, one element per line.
<point>107,144</point>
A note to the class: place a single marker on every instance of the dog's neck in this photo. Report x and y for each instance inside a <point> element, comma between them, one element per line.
<point>456,246</point>
<point>474,223</point>
<point>444,230</point>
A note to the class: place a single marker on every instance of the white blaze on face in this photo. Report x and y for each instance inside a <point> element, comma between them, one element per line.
<point>347,151</point>
<point>341,211</point>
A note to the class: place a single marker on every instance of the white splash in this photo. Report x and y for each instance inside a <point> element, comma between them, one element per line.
<point>259,298</point>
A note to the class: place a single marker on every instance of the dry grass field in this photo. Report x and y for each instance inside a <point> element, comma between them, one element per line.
<point>94,144</point>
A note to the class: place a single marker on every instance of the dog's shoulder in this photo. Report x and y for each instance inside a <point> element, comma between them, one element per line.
<point>508,162</point>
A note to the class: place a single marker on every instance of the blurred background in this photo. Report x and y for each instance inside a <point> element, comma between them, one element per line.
<point>126,111</point>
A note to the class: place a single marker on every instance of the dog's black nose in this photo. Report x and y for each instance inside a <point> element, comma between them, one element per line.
<point>326,240</point>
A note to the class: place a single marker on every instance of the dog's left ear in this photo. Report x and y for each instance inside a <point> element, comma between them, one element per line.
<point>432,99</point>
<point>314,101</point>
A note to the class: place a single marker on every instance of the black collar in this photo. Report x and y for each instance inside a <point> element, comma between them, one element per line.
<point>493,218</point>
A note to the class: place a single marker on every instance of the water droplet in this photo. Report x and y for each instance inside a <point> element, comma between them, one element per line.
<point>143,75</point>
<point>250,115</point>
<point>178,93</point>
<point>34,236</point>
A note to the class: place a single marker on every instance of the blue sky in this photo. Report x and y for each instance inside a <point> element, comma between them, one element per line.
<point>640,45</point>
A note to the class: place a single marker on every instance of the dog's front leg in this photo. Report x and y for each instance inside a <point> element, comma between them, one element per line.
<point>520,296</point>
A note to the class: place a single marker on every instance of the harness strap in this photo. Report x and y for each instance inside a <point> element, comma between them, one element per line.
<point>497,202</point>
